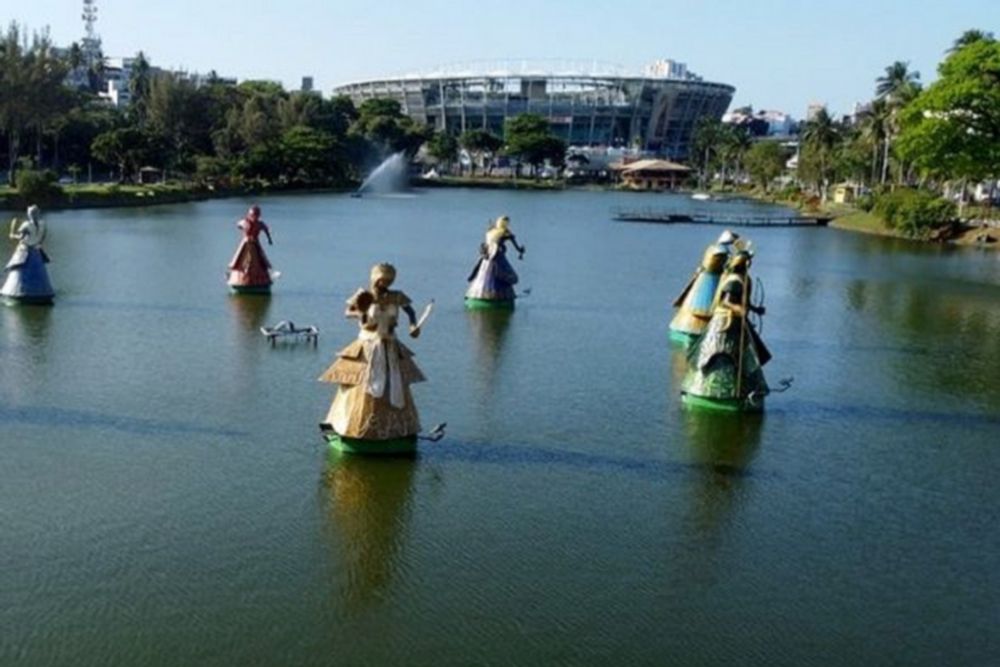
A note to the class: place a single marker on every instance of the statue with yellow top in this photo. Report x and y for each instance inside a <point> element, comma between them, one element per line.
<point>697,300</point>
<point>491,283</point>
<point>27,278</point>
<point>725,365</point>
<point>373,411</point>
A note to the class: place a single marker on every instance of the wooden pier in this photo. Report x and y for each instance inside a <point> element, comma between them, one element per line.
<point>659,216</point>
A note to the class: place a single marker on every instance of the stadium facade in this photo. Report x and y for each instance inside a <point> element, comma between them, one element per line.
<point>588,105</point>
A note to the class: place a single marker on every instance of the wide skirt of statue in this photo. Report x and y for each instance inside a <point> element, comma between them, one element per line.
<point>250,266</point>
<point>493,280</point>
<point>715,364</point>
<point>695,304</point>
<point>27,278</point>
<point>357,412</point>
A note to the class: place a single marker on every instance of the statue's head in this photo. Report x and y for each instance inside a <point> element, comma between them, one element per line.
<point>727,238</point>
<point>382,276</point>
<point>502,223</point>
<point>741,261</point>
<point>33,213</point>
<point>715,258</point>
<point>254,213</point>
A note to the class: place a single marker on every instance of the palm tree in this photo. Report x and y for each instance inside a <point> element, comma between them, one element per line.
<point>970,37</point>
<point>897,82</point>
<point>821,134</point>
<point>874,124</point>
<point>897,87</point>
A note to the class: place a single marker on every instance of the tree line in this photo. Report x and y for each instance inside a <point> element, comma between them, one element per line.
<point>909,142</point>
<point>209,131</point>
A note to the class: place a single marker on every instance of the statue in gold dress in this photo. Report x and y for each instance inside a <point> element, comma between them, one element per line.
<point>373,410</point>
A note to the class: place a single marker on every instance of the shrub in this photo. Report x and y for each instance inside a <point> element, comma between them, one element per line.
<point>866,203</point>
<point>915,213</point>
<point>37,186</point>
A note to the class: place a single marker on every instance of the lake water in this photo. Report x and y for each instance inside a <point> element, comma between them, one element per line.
<point>166,499</point>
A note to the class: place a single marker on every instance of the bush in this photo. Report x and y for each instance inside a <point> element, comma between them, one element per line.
<point>915,213</point>
<point>866,203</point>
<point>36,186</point>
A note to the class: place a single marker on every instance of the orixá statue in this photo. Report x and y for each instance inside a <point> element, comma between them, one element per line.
<point>725,364</point>
<point>250,271</point>
<point>27,278</point>
<point>491,283</point>
<point>373,411</point>
<point>697,300</point>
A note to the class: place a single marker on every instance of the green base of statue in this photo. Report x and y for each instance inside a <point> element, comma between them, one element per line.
<point>393,447</point>
<point>723,404</point>
<point>489,304</point>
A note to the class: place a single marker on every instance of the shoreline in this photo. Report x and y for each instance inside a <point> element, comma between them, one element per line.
<point>141,196</point>
<point>843,217</point>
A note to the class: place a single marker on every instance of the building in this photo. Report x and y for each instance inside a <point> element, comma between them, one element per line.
<point>762,123</point>
<point>651,174</point>
<point>587,105</point>
<point>307,84</point>
<point>813,110</point>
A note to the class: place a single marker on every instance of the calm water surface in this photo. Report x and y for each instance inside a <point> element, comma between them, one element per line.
<point>165,497</point>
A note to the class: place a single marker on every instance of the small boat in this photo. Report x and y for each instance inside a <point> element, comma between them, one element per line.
<point>701,196</point>
<point>287,330</point>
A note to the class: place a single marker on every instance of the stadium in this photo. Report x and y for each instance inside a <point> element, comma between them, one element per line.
<point>587,105</point>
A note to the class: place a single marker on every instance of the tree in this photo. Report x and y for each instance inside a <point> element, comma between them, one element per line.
<point>126,148</point>
<point>952,129</point>
<point>765,161</point>
<point>819,140</point>
<point>970,37</point>
<point>309,155</point>
<point>139,86</point>
<point>31,88</point>
<point>529,139</point>
<point>480,143</point>
<point>382,123</point>
<point>707,143</point>
<point>897,87</point>
<point>874,126</point>
<point>443,147</point>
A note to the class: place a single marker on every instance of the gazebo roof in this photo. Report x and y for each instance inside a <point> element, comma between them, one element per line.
<point>649,165</point>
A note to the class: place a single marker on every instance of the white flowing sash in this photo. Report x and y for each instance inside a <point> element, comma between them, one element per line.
<point>382,368</point>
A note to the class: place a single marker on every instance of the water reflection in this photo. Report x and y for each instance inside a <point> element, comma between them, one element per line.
<point>249,313</point>
<point>678,367</point>
<point>488,329</point>
<point>368,503</point>
<point>722,445</point>
<point>23,340</point>
<point>960,313</point>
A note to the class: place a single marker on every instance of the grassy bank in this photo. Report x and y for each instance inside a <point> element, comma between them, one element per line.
<point>105,195</point>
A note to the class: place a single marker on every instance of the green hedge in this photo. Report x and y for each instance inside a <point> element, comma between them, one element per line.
<point>915,213</point>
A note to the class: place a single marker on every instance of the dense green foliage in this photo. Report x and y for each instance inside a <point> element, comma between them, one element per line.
<point>529,139</point>
<point>952,129</point>
<point>915,213</point>
<point>765,161</point>
<point>38,185</point>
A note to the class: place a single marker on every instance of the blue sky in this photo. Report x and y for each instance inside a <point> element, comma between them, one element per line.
<point>779,54</point>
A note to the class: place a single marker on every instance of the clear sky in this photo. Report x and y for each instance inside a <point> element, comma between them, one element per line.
<point>780,54</point>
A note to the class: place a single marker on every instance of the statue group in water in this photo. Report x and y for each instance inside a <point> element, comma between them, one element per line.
<point>373,411</point>
<point>726,354</point>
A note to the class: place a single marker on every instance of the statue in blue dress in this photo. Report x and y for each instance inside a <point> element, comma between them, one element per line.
<point>491,283</point>
<point>697,301</point>
<point>27,278</point>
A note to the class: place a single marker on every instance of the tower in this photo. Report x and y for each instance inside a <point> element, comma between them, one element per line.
<point>91,44</point>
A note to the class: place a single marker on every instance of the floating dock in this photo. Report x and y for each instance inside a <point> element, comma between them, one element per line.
<point>659,216</point>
